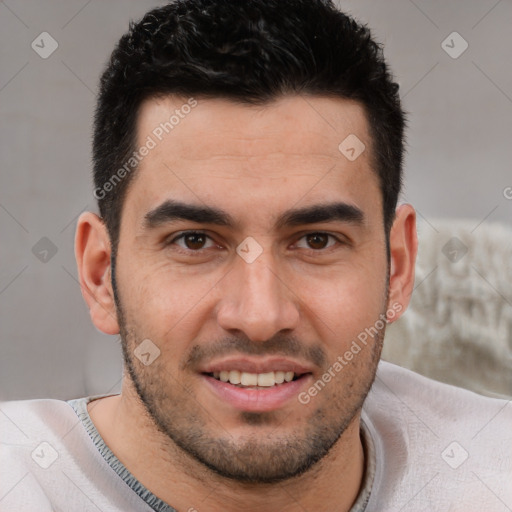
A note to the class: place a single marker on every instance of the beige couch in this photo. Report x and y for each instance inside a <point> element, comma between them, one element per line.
<point>458,328</point>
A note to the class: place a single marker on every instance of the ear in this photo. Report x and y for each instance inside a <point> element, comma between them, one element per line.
<point>92,253</point>
<point>403,242</point>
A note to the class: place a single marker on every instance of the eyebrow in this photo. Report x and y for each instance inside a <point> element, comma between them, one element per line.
<point>172,210</point>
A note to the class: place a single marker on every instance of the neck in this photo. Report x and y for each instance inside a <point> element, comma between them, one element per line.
<point>184,483</point>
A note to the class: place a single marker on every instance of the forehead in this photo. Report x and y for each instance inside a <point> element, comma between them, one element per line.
<point>216,151</point>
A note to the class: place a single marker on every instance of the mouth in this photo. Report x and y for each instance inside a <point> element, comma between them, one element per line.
<point>249,380</point>
<point>256,392</point>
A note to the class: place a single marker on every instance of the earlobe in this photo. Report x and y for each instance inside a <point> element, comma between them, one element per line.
<point>403,250</point>
<point>92,252</point>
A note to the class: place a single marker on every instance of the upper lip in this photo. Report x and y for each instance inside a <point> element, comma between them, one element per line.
<point>252,365</point>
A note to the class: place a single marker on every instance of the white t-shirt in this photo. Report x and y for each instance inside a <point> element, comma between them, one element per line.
<point>429,447</point>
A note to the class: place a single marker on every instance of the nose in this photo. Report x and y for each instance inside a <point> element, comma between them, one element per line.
<point>256,300</point>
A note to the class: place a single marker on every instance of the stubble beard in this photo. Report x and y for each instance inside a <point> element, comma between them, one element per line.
<point>254,458</point>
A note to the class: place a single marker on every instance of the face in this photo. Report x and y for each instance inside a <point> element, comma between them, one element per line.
<point>251,249</point>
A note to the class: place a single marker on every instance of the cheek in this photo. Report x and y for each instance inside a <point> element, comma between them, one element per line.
<point>346,304</point>
<point>166,302</point>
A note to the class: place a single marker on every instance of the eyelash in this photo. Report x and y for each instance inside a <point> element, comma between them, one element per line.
<point>200,251</point>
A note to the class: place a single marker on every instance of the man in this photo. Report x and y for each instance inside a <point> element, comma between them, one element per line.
<point>247,165</point>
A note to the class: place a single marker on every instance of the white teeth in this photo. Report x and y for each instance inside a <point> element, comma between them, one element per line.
<point>267,379</point>
<point>249,379</point>
<point>234,377</point>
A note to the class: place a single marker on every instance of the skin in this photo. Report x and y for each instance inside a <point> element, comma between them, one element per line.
<point>304,298</point>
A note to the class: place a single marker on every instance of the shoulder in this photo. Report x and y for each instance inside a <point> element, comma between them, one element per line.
<point>438,444</point>
<point>24,420</point>
<point>49,460</point>
<point>33,437</point>
<point>36,408</point>
<point>401,389</point>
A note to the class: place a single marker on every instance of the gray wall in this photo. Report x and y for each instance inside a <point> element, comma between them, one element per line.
<point>458,162</point>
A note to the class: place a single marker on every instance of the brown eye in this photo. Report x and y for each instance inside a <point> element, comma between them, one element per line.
<point>194,241</point>
<point>317,240</point>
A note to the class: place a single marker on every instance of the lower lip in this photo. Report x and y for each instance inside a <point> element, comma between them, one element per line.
<point>260,399</point>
